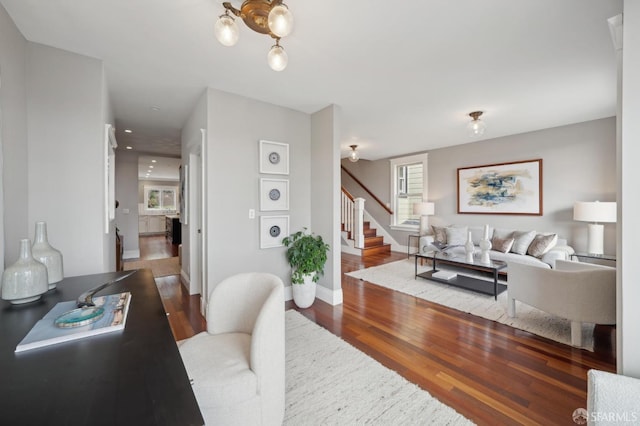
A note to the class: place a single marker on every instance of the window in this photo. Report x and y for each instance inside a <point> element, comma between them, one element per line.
<point>160,197</point>
<point>409,186</point>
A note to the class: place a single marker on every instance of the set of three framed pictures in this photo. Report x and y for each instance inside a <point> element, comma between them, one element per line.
<point>274,193</point>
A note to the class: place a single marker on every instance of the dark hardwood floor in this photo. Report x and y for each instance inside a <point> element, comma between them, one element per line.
<point>183,309</point>
<point>489,372</point>
<point>156,247</point>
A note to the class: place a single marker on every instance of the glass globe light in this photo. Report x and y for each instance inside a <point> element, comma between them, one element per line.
<point>280,20</point>
<point>353,155</point>
<point>226,30</point>
<point>476,126</point>
<point>277,58</point>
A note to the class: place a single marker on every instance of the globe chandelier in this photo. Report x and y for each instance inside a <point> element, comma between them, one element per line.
<point>271,17</point>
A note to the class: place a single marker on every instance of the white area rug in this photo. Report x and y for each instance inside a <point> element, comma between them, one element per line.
<point>399,276</point>
<point>329,382</point>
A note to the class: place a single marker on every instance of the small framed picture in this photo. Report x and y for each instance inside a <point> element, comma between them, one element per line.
<point>274,194</point>
<point>274,158</point>
<point>272,230</point>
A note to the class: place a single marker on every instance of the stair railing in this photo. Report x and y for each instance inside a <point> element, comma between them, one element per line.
<point>352,217</point>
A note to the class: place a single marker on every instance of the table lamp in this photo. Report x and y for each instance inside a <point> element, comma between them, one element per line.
<point>595,211</point>
<point>424,209</point>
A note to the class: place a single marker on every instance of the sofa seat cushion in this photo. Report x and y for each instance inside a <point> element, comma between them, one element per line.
<point>517,258</point>
<point>219,367</point>
<point>505,257</point>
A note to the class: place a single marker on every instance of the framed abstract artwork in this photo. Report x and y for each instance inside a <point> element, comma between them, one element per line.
<point>274,194</point>
<point>274,158</point>
<point>272,230</point>
<point>505,188</point>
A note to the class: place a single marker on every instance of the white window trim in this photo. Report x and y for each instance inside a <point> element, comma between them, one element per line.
<point>393,164</point>
<point>161,209</point>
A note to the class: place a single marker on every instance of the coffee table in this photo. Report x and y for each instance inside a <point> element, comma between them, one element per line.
<point>464,281</point>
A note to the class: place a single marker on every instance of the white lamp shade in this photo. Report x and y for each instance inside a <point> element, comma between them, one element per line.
<point>424,208</point>
<point>595,211</point>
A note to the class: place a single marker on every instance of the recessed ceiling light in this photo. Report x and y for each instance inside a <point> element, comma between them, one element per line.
<point>129,147</point>
<point>151,167</point>
<point>128,131</point>
<point>153,161</point>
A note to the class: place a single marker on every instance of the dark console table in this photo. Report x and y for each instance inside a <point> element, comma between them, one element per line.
<point>129,377</point>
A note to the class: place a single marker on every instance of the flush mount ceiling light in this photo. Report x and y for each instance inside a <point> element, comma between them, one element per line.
<point>475,126</point>
<point>271,17</point>
<point>353,155</point>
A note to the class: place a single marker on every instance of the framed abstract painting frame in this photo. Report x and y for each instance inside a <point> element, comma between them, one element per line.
<point>513,188</point>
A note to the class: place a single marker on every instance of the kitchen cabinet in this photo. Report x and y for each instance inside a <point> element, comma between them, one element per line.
<point>151,224</point>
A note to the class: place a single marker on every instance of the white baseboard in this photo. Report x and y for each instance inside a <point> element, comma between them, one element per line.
<point>288,293</point>
<point>131,254</point>
<point>332,297</point>
<point>185,281</point>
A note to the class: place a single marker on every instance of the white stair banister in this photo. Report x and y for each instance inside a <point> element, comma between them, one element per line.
<point>358,222</point>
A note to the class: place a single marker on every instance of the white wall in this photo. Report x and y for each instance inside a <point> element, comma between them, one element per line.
<point>127,195</point>
<point>235,126</point>
<point>628,355</point>
<point>66,155</point>
<point>191,144</point>
<point>13,107</point>
<point>325,202</point>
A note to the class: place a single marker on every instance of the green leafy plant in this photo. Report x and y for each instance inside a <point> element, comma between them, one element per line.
<point>306,253</point>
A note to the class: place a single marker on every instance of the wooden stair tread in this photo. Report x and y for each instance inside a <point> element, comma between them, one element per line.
<point>382,248</point>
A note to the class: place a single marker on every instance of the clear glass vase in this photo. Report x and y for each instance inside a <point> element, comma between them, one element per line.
<point>26,280</point>
<point>44,253</point>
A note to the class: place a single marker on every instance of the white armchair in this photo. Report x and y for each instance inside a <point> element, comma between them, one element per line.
<point>612,399</point>
<point>238,365</point>
<point>579,292</point>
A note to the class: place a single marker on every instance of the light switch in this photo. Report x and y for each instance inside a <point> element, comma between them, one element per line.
<point>252,214</point>
<point>125,211</point>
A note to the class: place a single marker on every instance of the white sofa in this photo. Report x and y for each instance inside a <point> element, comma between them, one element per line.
<point>237,366</point>
<point>579,292</point>
<point>559,251</point>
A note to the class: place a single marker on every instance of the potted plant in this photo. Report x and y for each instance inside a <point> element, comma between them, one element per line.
<point>307,255</point>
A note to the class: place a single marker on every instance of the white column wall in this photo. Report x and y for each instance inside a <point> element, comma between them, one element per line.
<point>325,202</point>
<point>628,355</point>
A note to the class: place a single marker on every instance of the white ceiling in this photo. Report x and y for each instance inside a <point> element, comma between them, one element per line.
<point>154,167</point>
<point>405,73</point>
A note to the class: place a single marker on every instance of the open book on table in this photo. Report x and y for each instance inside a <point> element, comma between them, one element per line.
<point>45,332</point>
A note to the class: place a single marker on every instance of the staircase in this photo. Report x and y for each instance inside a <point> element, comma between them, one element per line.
<point>364,237</point>
<point>373,244</point>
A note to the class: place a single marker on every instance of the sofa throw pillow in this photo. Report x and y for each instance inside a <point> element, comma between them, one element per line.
<point>477,233</point>
<point>502,244</point>
<point>502,233</point>
<point>439,234</point>
<point>456,236</point>
<point>522,240</point>
<point>542,244</point>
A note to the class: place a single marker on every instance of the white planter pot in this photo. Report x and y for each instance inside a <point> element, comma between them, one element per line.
<point>304,294</point>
